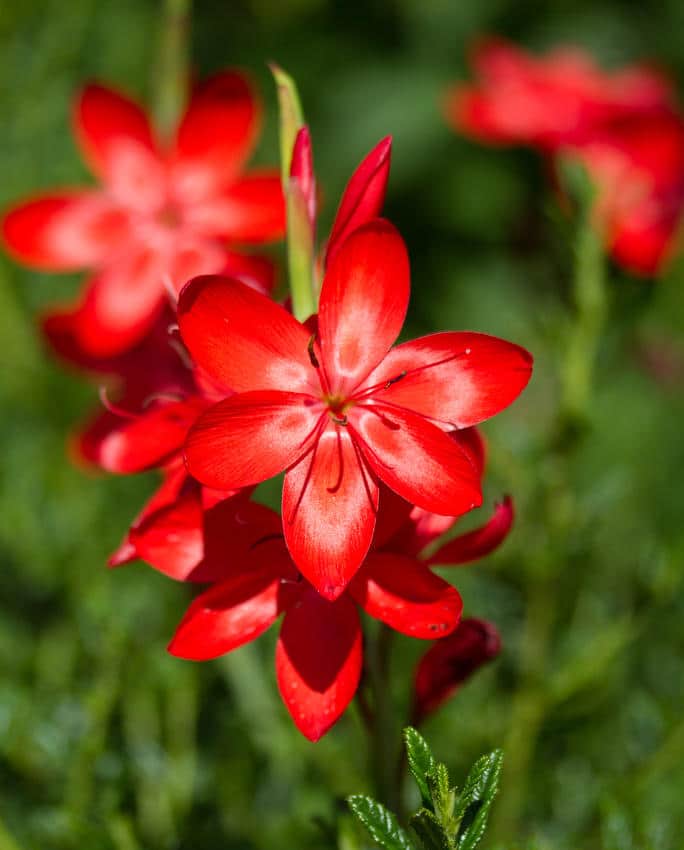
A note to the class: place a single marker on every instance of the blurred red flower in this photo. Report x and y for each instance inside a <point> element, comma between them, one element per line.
<point>623,126</point>
<point>562,97</point>
<point>164,213</point>
<point>335,408</point>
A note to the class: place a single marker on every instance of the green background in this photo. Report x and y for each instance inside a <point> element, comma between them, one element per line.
<point>108,742</point>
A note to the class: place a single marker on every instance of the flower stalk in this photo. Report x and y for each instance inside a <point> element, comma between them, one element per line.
<point>171,69</point>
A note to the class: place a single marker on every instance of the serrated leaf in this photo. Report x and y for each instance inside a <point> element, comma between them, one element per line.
<point>476,799</point>
<point>421,761</point>
<point>380,822</point>
<point>443,798</point>
<point>429,831</point>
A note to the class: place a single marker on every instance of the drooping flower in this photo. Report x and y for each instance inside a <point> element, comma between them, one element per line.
<point>336,407</point>
<point>319,654</point>
<point>449,662</point>
<point>163,214</point>
<point>560,98</point>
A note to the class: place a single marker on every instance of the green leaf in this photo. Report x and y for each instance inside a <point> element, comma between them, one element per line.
<point>291,117</point>
<point>429,831</point>
<point>443,797</point>
<point>421,761</point>
<point>476,799</point>
<point>380,822</point>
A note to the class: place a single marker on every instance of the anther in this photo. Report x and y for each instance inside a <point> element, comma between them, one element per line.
<point>312,354</point>
<point>340,420</point>
<point>395,379</point>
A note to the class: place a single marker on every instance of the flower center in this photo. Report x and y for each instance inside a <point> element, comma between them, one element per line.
<point>169,217</point>
<point>337,407</point>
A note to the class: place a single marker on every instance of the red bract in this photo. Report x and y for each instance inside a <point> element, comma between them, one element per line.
<point>338,410</point>
<point>165,213</point>
<point>319,651</point>
<point>560,98</point>
<point>450,662</point>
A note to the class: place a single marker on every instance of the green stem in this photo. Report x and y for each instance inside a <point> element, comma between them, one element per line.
<point>383,736</point>
<point>300,252</point>
<point>576,373</point>
<point>589,295</point>
<point>171,72</point>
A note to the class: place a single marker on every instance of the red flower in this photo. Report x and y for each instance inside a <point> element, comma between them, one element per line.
<point>164,213</point>
<point>319,651</point>
<point>449,662</point>
<point>338,410</point>
<point>562,97</point>
<point>638,169</point>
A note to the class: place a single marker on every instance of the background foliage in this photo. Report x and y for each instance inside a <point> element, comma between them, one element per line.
<point>105,741</point>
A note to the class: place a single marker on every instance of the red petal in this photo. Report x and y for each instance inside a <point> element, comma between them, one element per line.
<point>255,271</point>
<point>450,662</point>
<point>250,437</point>
<point>318,661</point>
<point>72,230</point>
<point>407,596</point>
<point>147,440</point>
<point>243,339</point>
<point>251,210</point>
<point>111,130</point>
<point>216,135</point>
<point>171,539</point>
<point>175,479</point>
<point>458,379</point>
<point>363,197</point>
<point>363,303</point>
<point>236,531</point>
<point>228,615</point>
<point>121,305</point>
<point>417,460</point>
<point>480,542</point>
<point>302,174</point>
<point>329,506</point>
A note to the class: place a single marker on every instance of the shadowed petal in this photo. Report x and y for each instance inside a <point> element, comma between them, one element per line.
<point>450,662</point>
<point>318,661</point>
<point>405,595</point>
<point>479,542</point>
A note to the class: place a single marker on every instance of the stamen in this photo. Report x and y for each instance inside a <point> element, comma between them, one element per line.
<point>339,420</point>
<point>394,380</point>
<point>312,354</point>
<point>170,289</point>
<point>172,397</point>
<point>113,408</point>
<point>368,391</point>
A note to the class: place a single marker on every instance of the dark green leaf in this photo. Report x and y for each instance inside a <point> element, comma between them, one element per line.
<point>476,799</point>
<point>429,831</point>
<point>421,761</point>
<point>443,798</point>
<point>380,822</point>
